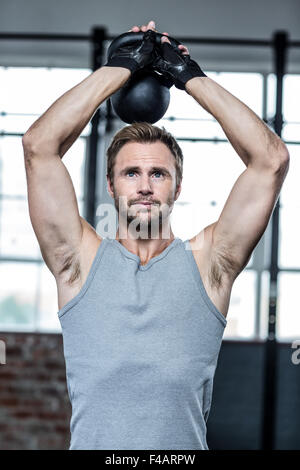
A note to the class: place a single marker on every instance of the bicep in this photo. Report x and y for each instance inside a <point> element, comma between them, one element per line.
<point>246,214</point>
<point>53,210</point>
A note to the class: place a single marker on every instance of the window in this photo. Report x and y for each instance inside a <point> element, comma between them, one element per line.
<point>28,297</point>
<point>288,323</point>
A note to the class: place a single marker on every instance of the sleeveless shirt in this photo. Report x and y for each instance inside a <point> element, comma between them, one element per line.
<point>141,344</point>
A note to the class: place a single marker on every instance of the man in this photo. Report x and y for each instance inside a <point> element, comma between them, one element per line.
<point>143,316</point>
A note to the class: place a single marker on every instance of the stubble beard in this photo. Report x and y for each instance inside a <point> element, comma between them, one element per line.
<point>144,222</point>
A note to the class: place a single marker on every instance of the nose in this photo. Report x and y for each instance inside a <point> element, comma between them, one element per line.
<point>144,185</point>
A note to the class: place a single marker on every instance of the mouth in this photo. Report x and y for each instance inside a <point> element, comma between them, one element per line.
<point>143,203</point>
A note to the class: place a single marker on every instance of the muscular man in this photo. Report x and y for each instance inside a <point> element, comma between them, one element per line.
<point>143,316</point>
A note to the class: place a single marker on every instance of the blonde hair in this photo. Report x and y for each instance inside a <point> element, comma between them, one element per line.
<point>144,132</point>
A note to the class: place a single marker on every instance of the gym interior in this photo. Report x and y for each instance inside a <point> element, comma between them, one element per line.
<point>253,50</point>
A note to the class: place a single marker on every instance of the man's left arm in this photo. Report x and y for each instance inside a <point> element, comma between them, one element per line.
<point>252,199</point>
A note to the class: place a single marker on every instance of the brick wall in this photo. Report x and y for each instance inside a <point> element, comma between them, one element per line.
<point>34,405</point>
<point>35,410</point>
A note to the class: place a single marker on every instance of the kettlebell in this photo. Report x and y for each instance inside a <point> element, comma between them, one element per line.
<point>145,96</point>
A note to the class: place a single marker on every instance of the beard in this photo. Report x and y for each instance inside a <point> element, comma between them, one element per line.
<point>144,221</point>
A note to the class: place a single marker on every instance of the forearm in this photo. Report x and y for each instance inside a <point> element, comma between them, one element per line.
<point>254,142</point>
<point>63,122</point>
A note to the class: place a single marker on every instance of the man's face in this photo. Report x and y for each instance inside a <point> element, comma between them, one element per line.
<point>144,172</point>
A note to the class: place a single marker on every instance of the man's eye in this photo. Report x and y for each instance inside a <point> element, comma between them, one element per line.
<point>133,172</point>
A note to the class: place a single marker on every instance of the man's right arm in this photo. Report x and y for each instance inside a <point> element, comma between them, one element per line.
<point>52,201</point>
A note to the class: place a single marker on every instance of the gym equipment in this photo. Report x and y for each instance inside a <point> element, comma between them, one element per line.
<point>145,96</point>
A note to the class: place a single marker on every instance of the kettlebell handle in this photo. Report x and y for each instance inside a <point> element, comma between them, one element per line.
<point>126,39</point>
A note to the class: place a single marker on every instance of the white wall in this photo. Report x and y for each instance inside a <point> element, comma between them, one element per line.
<point>206,18</point>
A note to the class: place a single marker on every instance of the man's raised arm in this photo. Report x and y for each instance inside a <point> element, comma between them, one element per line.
<point>52,201</point>
<point>252,199</point>
<point>58,128</point>
<point>253,141</point>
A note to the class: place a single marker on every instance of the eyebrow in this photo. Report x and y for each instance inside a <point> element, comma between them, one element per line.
<point>152,169</point>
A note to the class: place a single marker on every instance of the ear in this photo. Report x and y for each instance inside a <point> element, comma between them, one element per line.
<point>177,192</point>
<point>110,187</point>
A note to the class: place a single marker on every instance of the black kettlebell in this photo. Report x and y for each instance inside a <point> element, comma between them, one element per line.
<point>145,96</point>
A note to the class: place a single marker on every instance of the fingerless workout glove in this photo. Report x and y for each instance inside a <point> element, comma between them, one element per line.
<point>180,67</point>
<point>136,55</point>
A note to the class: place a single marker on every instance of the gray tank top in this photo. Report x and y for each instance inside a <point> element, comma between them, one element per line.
<point>141,344</point>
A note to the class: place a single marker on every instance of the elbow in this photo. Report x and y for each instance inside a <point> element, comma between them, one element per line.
<point>29,146</point>
<point>26,149</point>
<point>284,155</point>
<point>25,140</point>
<point>281,161</point>
<point>285,160</point>
<point>35,144</point>
<point>281,167</point>
<point>32,146</point>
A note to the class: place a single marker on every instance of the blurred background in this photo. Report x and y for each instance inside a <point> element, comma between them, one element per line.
<point>253,50</point>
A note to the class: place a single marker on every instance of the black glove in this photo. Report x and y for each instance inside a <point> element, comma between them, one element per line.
<point>136,55</point>
<point>173,63</point>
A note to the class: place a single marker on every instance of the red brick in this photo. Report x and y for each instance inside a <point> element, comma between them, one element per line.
<point>34,406</point>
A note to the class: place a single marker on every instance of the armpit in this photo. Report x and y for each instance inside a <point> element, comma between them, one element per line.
<point>71,267</point>
<point>223,266</point>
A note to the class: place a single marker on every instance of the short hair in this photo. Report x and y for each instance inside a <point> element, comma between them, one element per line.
<point>144,132</point>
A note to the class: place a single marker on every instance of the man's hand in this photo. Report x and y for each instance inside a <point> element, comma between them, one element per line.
<point>137,55</point>
<point>175,63</point>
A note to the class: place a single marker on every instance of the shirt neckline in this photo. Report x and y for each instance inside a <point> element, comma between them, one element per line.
<point>136,258</point>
